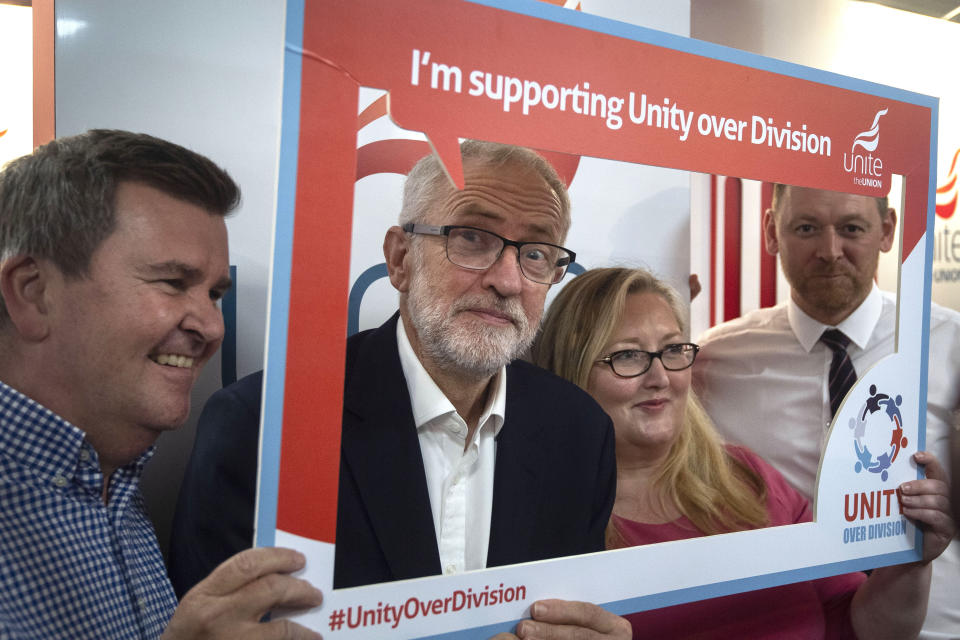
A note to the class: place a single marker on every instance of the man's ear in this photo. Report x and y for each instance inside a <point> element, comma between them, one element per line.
<point>23,285</point>
<point>888,226</point>
<point>770,240</point>
<point>397,253</point>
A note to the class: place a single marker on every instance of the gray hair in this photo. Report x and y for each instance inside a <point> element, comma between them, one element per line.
<point>57,203</point>
<point>427,181</point>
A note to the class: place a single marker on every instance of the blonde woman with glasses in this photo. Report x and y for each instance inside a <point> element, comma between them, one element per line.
<point>621,335</point>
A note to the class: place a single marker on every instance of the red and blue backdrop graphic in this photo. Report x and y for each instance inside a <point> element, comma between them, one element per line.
<point>947,192</point>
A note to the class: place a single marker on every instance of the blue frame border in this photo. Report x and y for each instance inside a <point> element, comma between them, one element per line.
<point>283,242</point>
<point>703,48</point>
<point>276,351</point>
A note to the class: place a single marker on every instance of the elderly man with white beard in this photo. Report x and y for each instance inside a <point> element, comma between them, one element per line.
<point>454,456</point>
<point>465,446</point>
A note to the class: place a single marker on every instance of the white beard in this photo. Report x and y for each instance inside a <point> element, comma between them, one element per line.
<point>453,341</point>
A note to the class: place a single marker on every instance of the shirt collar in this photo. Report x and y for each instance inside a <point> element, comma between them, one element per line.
<point>35,437</point>
<point>858,326</point>
<point>429,402</point>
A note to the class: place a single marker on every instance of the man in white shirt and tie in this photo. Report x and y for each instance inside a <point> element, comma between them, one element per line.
<point>772,380</point>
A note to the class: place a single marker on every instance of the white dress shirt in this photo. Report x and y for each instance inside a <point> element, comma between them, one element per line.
<point>763,380</point>
<point>459,474</point>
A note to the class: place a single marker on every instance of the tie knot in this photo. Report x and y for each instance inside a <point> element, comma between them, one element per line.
<point>835,339</point>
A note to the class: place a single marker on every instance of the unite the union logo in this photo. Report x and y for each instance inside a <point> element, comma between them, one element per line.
<point>866,167</point>
<point>878,433</point>
<point>870,138</point>
<point>946,239</point>
<point>946,193</point>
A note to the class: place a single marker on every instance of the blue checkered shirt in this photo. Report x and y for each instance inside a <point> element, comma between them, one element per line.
<point>70,565</point>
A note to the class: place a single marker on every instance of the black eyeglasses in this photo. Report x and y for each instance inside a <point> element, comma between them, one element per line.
<point>631,363</point>
<point>479,249</point>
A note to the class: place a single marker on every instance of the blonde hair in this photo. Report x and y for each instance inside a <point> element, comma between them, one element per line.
<point>714,490</point>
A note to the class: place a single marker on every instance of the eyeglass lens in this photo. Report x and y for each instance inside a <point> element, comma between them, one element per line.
<point>634,362</point>
<point>476,249</point>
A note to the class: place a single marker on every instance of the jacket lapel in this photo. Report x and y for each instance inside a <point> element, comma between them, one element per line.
<point>517,483</point>
<point>380,445</point>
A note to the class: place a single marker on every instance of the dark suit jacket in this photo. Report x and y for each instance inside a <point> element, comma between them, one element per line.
<point>214,515</point>
<point>554,479</point>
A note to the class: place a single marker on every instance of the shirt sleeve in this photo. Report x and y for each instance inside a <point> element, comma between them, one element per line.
<point>836,595</point>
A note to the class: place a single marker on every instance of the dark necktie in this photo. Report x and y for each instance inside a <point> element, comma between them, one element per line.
<point>842,375</point>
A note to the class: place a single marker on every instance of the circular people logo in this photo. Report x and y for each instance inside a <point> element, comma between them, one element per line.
<point>878,433</point>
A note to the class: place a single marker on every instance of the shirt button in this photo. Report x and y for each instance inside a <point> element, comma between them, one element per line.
<point>60,481</point>
<point>142,603</point>
<point>84,455</point>
<point>451,569</point>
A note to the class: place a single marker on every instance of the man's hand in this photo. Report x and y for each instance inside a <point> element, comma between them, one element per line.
<point>927,502</point>
<point>230,602</point>
<point>569,620</point>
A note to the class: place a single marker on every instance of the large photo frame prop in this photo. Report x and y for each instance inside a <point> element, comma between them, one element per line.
<point>575,84</point>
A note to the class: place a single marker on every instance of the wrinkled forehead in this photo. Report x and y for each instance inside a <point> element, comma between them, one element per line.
<point>161,227</point>
<point>509,194</point>
<point>805,201</point>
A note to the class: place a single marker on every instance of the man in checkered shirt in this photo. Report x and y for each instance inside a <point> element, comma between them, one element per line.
<point>113,254</point>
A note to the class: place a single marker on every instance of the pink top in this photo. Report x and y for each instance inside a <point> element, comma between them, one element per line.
<point>809,610</point>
